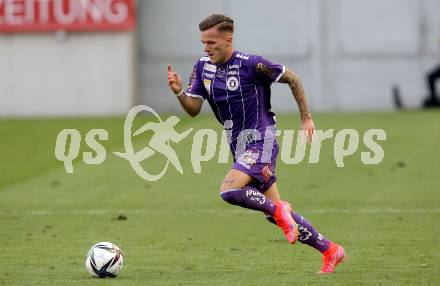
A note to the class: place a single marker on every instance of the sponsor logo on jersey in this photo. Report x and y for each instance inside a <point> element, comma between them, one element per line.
<point>232,73</point>
<point>232,83</point>
<point>233,66</point>
<point>221,72</point>
<point>207,84</point>
<point>209,67</point>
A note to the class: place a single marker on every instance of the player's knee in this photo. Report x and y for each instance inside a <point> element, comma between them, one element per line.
<point>223,189</point>
<point>234,196</point>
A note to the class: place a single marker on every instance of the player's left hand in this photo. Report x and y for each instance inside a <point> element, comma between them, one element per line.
<point>307,131</point>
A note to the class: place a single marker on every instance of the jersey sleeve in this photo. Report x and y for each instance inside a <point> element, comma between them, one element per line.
<point>265,70</point>
<point>195,86</point>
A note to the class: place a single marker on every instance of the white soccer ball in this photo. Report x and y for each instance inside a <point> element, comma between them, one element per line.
<point>104,259</point>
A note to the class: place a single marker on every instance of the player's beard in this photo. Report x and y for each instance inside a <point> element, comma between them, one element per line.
<point>218,57</point>
<point>214,58</point>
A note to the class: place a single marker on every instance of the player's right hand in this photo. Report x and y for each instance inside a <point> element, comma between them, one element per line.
<point>174,80</point>
<point>307,131</point>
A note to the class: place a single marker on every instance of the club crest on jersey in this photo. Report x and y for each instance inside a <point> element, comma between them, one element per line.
<point>209,67</point>
<point>207,84</point>
<point>232,83</point>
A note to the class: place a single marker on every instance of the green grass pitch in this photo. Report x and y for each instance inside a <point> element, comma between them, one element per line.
<point>178,230</point>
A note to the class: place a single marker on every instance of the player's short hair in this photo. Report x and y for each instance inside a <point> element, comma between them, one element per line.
<point>223,23</point>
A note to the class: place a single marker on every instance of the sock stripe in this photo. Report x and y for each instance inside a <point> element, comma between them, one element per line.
<point>231,190</point>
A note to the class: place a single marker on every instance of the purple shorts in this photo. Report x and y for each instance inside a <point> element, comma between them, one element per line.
<point>258,164</point>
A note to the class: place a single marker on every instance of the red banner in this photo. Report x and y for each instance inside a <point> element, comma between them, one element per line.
<point>68,15</point>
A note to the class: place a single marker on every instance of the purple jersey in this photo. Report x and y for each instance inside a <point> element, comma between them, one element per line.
<point>238,94</point>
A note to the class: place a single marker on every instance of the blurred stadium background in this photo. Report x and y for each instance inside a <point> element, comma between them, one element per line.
<point>349,53</point>
<point>85,68</point>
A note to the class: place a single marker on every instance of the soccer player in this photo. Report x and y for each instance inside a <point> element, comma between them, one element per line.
<point>237,87</point>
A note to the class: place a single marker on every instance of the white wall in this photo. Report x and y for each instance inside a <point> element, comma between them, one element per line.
<point>66,74</point>
<point>349,52</point>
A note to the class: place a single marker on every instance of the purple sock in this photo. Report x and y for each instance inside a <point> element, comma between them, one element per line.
<point>307,233</point>
<point>250,198</point>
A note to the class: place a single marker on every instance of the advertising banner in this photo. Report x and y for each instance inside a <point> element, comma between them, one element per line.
<point>67,15</point>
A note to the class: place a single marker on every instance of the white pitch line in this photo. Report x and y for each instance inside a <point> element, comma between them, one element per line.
<point>218,211</point>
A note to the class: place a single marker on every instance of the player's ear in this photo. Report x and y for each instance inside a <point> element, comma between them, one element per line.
<point>229,38</point>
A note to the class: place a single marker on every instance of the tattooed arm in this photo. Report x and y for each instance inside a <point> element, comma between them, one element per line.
<point>296,86</point>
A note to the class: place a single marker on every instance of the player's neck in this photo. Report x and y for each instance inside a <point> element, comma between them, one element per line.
<point>228,56</point>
